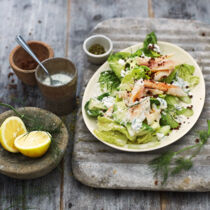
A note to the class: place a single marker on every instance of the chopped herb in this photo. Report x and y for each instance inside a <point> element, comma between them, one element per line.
<point>97,49</point>
<point>171,163</point>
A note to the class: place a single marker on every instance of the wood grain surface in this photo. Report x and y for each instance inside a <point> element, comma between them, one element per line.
<point>64,24</point>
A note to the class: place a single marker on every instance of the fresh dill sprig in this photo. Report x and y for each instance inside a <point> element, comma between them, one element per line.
<point>171,163</point>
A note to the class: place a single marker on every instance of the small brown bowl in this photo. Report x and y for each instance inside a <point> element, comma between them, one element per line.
<point>61,99</point>
<point>24,65</point>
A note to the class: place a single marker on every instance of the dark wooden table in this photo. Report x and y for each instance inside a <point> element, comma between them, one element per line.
<point>64,24</point>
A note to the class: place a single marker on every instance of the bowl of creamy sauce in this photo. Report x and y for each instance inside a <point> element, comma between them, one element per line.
<point>60,97</point>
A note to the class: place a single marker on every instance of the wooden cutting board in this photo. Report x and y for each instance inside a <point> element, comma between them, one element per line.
<point>98,165</point>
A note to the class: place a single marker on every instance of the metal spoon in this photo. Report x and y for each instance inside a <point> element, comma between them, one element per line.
<point>25,46</point>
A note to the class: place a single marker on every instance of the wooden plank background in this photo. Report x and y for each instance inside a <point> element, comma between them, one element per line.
<point>64,24</point>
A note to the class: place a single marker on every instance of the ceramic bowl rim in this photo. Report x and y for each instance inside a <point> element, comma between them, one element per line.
<point>94,37</point>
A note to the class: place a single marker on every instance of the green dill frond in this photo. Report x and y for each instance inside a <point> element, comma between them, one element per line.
<point>160,165</point>
<point>182,164</point>
<point>167,163</point>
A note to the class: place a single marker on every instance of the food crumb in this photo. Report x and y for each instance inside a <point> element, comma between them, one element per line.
<point>203,34</point>
<point>10,74</point>
<point>197,140</point>
<point>12,86</point>
<point>114,171</point>
<point>156,182</point>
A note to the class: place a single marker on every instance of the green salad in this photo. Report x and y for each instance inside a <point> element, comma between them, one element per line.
<point>145,95</point>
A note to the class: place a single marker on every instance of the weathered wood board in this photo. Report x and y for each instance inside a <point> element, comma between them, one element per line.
<point>97,165</point>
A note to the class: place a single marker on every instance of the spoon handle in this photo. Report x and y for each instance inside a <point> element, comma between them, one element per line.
<point>25,46</point>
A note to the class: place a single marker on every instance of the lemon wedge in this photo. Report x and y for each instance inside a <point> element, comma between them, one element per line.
<point>10,129</point>
<point>33,144</point>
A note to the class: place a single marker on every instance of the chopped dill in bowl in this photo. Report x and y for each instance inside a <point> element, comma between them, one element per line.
<point>97,49</point>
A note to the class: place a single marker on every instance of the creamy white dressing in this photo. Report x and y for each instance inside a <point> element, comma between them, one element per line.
<point>123,73</point>
<point>190,93</point>
<point>137,122</point>
<point>144,56</point>
<point>154,47</point>
<point>163,103</point>
<point>62,78</point>
<point>108,101</point>
<point>178,107</point>
<point>179,118</point>
<point>140,82</point>
<point>181,83</point>
<point>121,62</point>
<point>160,135</point>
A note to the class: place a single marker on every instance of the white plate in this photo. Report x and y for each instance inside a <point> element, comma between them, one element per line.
<point>179,56</point>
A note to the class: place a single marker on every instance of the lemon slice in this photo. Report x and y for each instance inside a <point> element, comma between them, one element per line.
<point>33,144</point>
<point>10,129</point>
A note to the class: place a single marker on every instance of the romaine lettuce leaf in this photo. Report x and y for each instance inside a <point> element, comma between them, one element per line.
<point>171,76</point>
<point>149,137</point>
<point>112,137</point>
<point>186,72</point>
<point>187,112</point>
<point>107,124</point>
<point>114,64</point>
<point>185,99</point>
<point>172,99</point>
<point>167,119</point>
<point>145,129</point>
<point>120,111</point>
<point>94,107</point>
<point>134,74</point>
